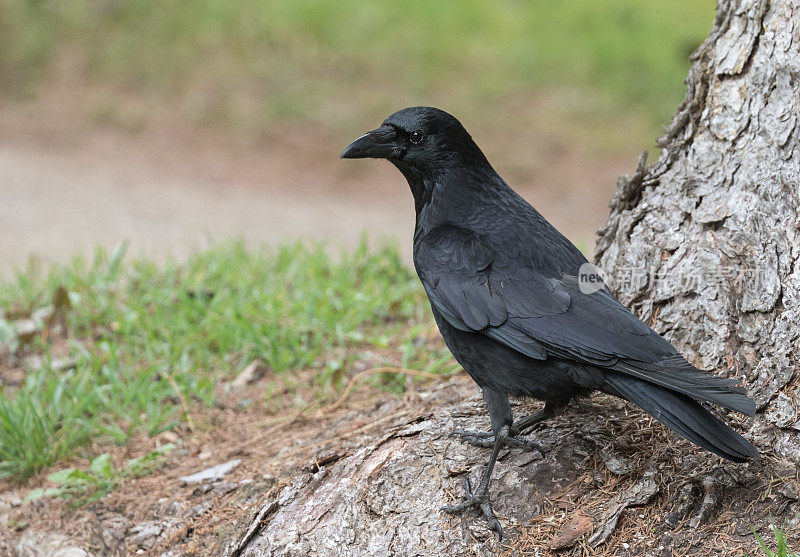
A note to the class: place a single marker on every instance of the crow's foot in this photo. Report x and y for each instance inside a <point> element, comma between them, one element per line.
<point>480,500</point>
<point>486,439</point>
<point>512,438</point>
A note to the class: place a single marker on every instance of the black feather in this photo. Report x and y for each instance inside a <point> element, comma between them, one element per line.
<point>683,415</point>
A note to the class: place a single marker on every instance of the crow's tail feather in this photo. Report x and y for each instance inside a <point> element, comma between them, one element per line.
<point>684,415</point>
<point>676,374</point>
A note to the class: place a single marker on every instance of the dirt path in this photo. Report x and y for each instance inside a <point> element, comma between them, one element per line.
<point>57,202</point>
<point>63,192</point>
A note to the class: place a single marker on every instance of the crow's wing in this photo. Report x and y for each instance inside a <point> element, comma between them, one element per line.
<point>478,290</point>
<point>474,292</point>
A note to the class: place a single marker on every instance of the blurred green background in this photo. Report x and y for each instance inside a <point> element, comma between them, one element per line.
<point>245,65</point>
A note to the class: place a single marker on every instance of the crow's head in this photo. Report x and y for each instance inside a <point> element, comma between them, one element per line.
<point>420,140</point>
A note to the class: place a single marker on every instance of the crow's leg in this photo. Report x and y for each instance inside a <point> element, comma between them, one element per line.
<point>480,497</point>
<point>501,417</point>
<point>531,420</point>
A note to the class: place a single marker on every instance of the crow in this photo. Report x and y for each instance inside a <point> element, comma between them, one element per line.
<point>504,290</point>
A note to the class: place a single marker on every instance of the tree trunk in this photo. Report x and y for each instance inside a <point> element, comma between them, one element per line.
<point>717,212</point>
<point>703,245</point>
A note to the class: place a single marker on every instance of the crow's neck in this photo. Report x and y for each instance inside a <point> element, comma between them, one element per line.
<point>456,196</point>
<point>421,184</point>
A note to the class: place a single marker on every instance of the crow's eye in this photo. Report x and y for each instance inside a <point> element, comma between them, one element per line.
<point>416,137</point>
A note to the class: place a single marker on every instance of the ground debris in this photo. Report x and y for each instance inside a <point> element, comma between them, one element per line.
<point>37,362</point>
<point>618,466</point>
<point>47,544</point>
<point>199,509</point>
<point>638,494</point>
<point>712,485</point>
<point>222,488</point>
<point>682,504</point>
<point>212,474</point>
<point>25,330</point>
<point>110,533</point>
<point>7,504</point>
<point>579,524</point>
<point>250,374</point>
<point>150,534</point>
<point>146,533</point>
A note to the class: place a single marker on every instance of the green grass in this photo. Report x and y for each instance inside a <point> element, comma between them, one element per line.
<point>85,486</point>
<point>149,339</point>
<point>781,544</point>
<point>249,63</point>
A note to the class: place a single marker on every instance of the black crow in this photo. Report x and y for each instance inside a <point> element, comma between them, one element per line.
<point>503,287</point>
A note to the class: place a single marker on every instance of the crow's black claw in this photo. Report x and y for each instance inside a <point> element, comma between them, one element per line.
<point>485,439</point>
<point>478,438</point>
<point>480,501</point>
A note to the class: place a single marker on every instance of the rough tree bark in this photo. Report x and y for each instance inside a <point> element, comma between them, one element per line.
<point>722,198</point>
<point>720,203</point>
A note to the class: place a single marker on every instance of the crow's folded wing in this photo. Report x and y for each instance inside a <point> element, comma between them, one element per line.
<point>526,310</point>
<point>456,271</point>
<point>478,290</point>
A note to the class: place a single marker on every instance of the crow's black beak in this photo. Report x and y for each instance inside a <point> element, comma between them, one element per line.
<point>377,144</point>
